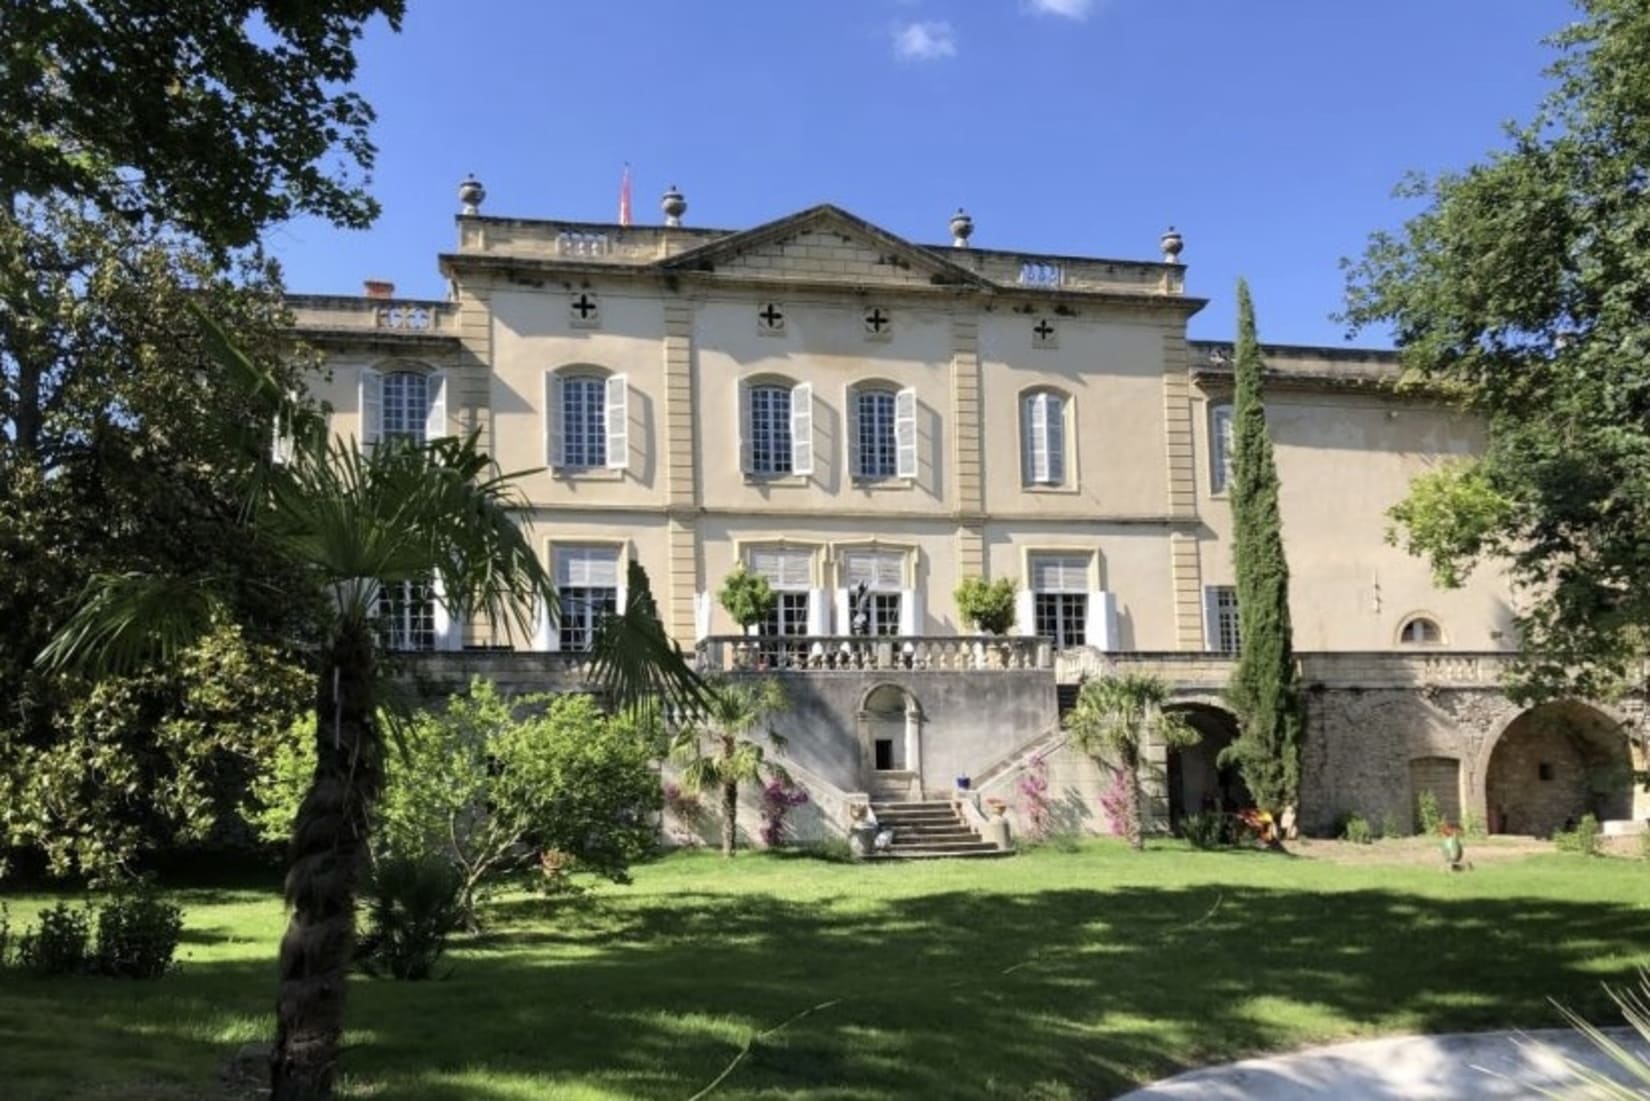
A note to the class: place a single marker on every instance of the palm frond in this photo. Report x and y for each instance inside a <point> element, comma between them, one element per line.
<point>634,661</point>
<point>121,621</point>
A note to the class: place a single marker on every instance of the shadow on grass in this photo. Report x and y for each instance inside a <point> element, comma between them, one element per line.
<point>1055,995</point>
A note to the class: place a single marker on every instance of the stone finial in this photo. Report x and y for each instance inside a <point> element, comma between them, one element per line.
<point>674,206</point>
<point>1171,243</point>
<point>471,195</point>
<point>962,228</point>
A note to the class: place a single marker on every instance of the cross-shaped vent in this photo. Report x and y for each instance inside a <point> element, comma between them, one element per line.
<point>879,323</point>
<point>1045,335</point>
<point>584,310</point>
<point>770,318</point>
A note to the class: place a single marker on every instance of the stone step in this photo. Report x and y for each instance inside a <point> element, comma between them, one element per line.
<point>920,804</point>
<point>917,819</point>
<point>984,851</point>
<point>935,842</point>
<point>971,845</point>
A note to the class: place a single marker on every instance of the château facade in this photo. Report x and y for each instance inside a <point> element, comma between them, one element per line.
<point>866,421</point>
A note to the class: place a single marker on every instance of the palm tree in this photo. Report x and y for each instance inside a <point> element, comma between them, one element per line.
<point>717,753</point>
<point>1120,715</point>
<point>439,515</point>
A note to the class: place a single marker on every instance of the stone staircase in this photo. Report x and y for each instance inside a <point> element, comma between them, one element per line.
<point>929,831</point>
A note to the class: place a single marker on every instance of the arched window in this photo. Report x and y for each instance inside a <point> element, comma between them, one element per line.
<point>884,432</point>
<point>589,423</point>
<point>1420,631</point>
<point>776,428</point>
<point>403,405</point>
<point>1043,437</point>
<point>1220,447</point>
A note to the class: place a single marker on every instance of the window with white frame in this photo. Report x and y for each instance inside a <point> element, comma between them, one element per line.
<point>789,572</point>
<point>884,433</point>
<point>878,608</point>
<point>770,430</point>
<point>582,403</point>
<point>1421,631</point>
<point>406,615</point>
<point>1043,437</point>
<point>587,588</point>
<point>406,406</point>
<point>1220,447</point>
<point>1223,619</point>
<point>1060,597</point>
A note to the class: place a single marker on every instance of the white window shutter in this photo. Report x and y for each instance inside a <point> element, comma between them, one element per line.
<point>542,635</point>
<point>1025,622</point>
<point>910,613</point>
<point>744,413</point>
<point>844,611</point>
<point>1036,438</point>
<point>1054,411</point>
<point>905,433</point>
<point>449,628</point>
<point>819,612</point>
<point>701,616</point>
<point>555,430</point>
<point>850,409</point>
<point>1100,628</point>
<point>621,593</point>
<point>435,427</point>
<point>1211,620</point>
<point>372,407</point>
<point>802,428</point>
<point>618,422</point>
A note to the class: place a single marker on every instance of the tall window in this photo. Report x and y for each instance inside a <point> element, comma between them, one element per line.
<point>587,588</point>
<point>1223,619</point>
<point>1220,447</point>
<point>583,403</point>
<point>1060,597</point>
<point>878,454</point>
<point>790,574</point>
<point>770,430</point>
<point>406,406</point>
<point>1043,438</point>
<point>406,614</point>
<point>877,610</point>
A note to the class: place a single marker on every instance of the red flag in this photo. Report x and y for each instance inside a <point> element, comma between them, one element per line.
<point>624,197</point>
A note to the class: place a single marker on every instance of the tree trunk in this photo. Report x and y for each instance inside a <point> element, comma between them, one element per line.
<point>730,816</point>
<point>1139,807</point>
<point>329,849</point>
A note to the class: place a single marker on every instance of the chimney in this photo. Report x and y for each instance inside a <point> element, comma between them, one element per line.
<point>378,288</point>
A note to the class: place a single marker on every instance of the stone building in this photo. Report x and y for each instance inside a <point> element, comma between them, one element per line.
<point>866,421</point>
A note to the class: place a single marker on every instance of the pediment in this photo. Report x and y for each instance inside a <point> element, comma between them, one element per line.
<point>825,244</point>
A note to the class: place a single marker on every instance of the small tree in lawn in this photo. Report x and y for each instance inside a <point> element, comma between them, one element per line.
<point>988,605</point>
<point>1117,716</point>
<point>1265,688</point>
<point>718,752</point>
<point>747,597</point>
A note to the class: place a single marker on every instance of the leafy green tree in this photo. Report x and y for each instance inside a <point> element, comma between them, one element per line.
<point>1523,291</point>
<point>718,753</point>
<point>1116,717</point>
<point>987,605</point>
<point>489,783</point>
<point>746,596</point>
<point>219,116</point>
<point>1265,685</point>
<point>347,522</point>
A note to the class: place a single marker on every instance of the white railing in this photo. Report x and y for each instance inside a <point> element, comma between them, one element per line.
<point>854,653</point>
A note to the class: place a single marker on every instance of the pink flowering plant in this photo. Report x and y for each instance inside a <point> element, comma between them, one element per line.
<point>1034,801</point>
<point>779,797</point>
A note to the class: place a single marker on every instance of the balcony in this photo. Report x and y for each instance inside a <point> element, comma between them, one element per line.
<point>867,653</point>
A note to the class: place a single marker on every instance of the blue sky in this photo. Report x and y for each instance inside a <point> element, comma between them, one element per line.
<point>1270,132</point>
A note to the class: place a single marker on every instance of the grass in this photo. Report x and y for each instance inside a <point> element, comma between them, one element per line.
<point>1054,976</point>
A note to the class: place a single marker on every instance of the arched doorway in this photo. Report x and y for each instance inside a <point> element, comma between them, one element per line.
<point>1555,763</point>
<point>1196,781</point>
<point>890,738</point>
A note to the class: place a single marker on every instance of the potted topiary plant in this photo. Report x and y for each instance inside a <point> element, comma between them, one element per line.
<point>988,605</point>
<point>748,598</point>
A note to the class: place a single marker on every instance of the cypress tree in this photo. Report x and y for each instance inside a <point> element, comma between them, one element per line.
<point>1265,687</point>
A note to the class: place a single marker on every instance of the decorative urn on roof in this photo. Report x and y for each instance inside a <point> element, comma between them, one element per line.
<point>471,195</point>
<point>962,228</point>
<point>674,205</point>
<point>1171,242</point>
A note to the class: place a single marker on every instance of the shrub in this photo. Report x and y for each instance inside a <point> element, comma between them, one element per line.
<point>1427,814</point>
<point>1644,854</point>
<point>1117,801</point>
<point>1356,830</point>
<point>1583,840</point>
<point>1391,827</point>
<point>779,798</point>
<point>58,945</point>
<point>1208,830</point>
<point>137,935</point>
<point>1473,826</point>
<point>746,596</point>
<point>413,907</point>
<point>988,605</point>
<point>1034,803</point>
<point>5,936</point>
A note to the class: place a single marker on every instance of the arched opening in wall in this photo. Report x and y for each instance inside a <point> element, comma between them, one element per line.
<point>890,736</point>
<point>1555,763</point>
<point>1441,776</point>
<point>1196,782</point>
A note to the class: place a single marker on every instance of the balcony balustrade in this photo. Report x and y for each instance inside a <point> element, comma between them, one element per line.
<point>855,653</point>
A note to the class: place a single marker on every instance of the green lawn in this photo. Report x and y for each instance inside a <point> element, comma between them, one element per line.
<point>1052,975</point>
